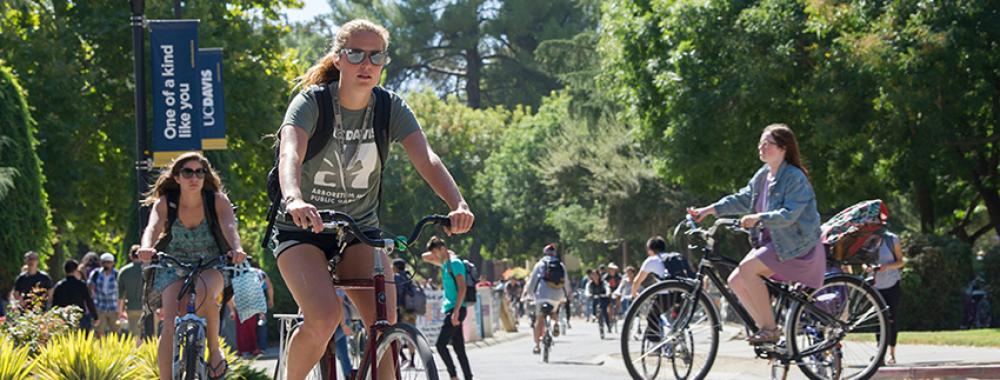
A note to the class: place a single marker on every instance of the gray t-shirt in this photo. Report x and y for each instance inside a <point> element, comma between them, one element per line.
<point>345,176</point>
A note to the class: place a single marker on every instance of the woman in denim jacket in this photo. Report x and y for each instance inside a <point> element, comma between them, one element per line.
<point>781,200</point>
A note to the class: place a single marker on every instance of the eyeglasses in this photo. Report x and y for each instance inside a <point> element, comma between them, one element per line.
<point>188,172</point>
<point>376,57</point>
<point>766,143</point>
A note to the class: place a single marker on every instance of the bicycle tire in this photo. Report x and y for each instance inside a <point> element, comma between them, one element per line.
<point>546,346</point>
<point>840,294</point>
<point>192,354</point>
<point>402,333</point>
<point>318,372</point>
<point>644,306</point>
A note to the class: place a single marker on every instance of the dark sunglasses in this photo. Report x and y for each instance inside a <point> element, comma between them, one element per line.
<point>376,57</point>
<point>188,172</point>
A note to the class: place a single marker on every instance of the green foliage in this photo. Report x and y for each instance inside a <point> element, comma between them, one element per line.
<point>79,356</point>
<point>894,99</point>
<point>24,217</point>
<point>481,51</point>
<point>80,86</point>
<point>15,363</point>
<point>33,327</point>
<point>934,279</point>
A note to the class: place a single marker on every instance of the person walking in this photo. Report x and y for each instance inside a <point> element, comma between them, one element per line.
<point>130,298</point>
<point>453,279</point>
<point>71,291</point>
<point>104,286</point>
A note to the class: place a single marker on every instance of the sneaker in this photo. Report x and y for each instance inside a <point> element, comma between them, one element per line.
<point>537,350</point>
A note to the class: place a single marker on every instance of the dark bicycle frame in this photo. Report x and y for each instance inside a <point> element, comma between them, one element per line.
<point>785,296</point>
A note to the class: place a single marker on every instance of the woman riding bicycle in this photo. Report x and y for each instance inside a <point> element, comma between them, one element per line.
<point>189,187</point>
<point>344,176</point>
<point>789,247</point>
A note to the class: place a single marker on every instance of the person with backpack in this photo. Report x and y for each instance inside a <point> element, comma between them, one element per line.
<point>548,283</point>
<point>191,219</point>
<point>780,199</point>
<point>456,284</point>
<point>659,265</point>
<point>332,147</point>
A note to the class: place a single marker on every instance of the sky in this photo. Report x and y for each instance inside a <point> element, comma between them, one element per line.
<point>311,9</point>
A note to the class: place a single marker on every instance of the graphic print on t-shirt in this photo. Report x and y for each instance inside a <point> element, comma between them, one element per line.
<point>345,176</point>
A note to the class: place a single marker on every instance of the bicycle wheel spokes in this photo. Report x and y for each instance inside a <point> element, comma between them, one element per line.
<point>850,347</point>
<point>654,335</point>
<point>406,350</point>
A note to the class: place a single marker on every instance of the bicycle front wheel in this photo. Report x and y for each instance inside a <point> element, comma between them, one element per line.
<point>851,348</point>
<point>318,372</point>
<point>406,349</point>
<point>667,326</point>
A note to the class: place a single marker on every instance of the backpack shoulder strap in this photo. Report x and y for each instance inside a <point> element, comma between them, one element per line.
<point>383,114</point>
<point>208,199</point>
<point>173,199</point>
<point>324,122</point>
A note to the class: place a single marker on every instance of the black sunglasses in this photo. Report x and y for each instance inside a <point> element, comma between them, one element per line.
<point>376,57</point>
<point>188,172</point>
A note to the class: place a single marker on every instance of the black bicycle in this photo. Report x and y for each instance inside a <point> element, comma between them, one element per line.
<point>834,332</point>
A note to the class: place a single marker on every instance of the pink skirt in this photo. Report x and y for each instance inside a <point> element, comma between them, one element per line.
<point>808,269</point>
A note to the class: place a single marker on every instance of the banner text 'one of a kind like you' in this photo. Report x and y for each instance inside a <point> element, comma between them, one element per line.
<point>177,100</point>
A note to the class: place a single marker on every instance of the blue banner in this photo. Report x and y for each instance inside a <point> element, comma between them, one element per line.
<point>213,110</point>
<point>176,94</point>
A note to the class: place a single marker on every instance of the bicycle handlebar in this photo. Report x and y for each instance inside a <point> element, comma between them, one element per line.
<point>174,262</point>
<point>335,219</point>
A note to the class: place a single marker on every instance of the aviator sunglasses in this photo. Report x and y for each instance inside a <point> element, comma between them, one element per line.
<point>376,57</point>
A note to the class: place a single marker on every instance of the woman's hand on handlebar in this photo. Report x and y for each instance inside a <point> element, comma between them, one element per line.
<point>700,214</point>
<point>237,255</point>
<point>461,220</point>
<point>146,254</point>
<point>750,221</point>
<point>304,215</point>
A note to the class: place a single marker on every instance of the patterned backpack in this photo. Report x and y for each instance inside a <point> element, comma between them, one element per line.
<point>854,235</point>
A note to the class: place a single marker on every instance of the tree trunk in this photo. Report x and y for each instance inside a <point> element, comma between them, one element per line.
<point>925,204</point>
<point>473,75</point>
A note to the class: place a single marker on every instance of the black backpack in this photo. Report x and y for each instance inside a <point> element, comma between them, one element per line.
<point>319,139</point>
<point>554,274</point>
<point>676,265</point>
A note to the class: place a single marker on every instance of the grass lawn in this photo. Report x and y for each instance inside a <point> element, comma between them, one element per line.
<point>976,338</point>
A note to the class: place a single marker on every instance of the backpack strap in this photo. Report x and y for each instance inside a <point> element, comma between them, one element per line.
<point>324,124</point>
<point>173,198</point>
<point>212,217</point>
<point>383,114</point>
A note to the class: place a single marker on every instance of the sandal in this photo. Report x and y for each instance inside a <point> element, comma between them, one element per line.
<point>223,366</point>
<point>890,361</point>
<point>765,336</point>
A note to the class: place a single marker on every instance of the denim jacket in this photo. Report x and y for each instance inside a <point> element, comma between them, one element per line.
<point>791,215</point>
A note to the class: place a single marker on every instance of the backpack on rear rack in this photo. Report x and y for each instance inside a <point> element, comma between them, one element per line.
<point>854,235</point>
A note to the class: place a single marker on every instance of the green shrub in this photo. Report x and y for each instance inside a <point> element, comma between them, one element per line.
<point>33,327</point>
<point>934,279</point>
<point>15,361</point>
<point>24,216</point>
<point>79,356</point>
<point>991,272</point>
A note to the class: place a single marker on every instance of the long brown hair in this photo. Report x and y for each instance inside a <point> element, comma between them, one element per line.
<point>166,182</point>
<point>324,71</point>
<point>785,139</point>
